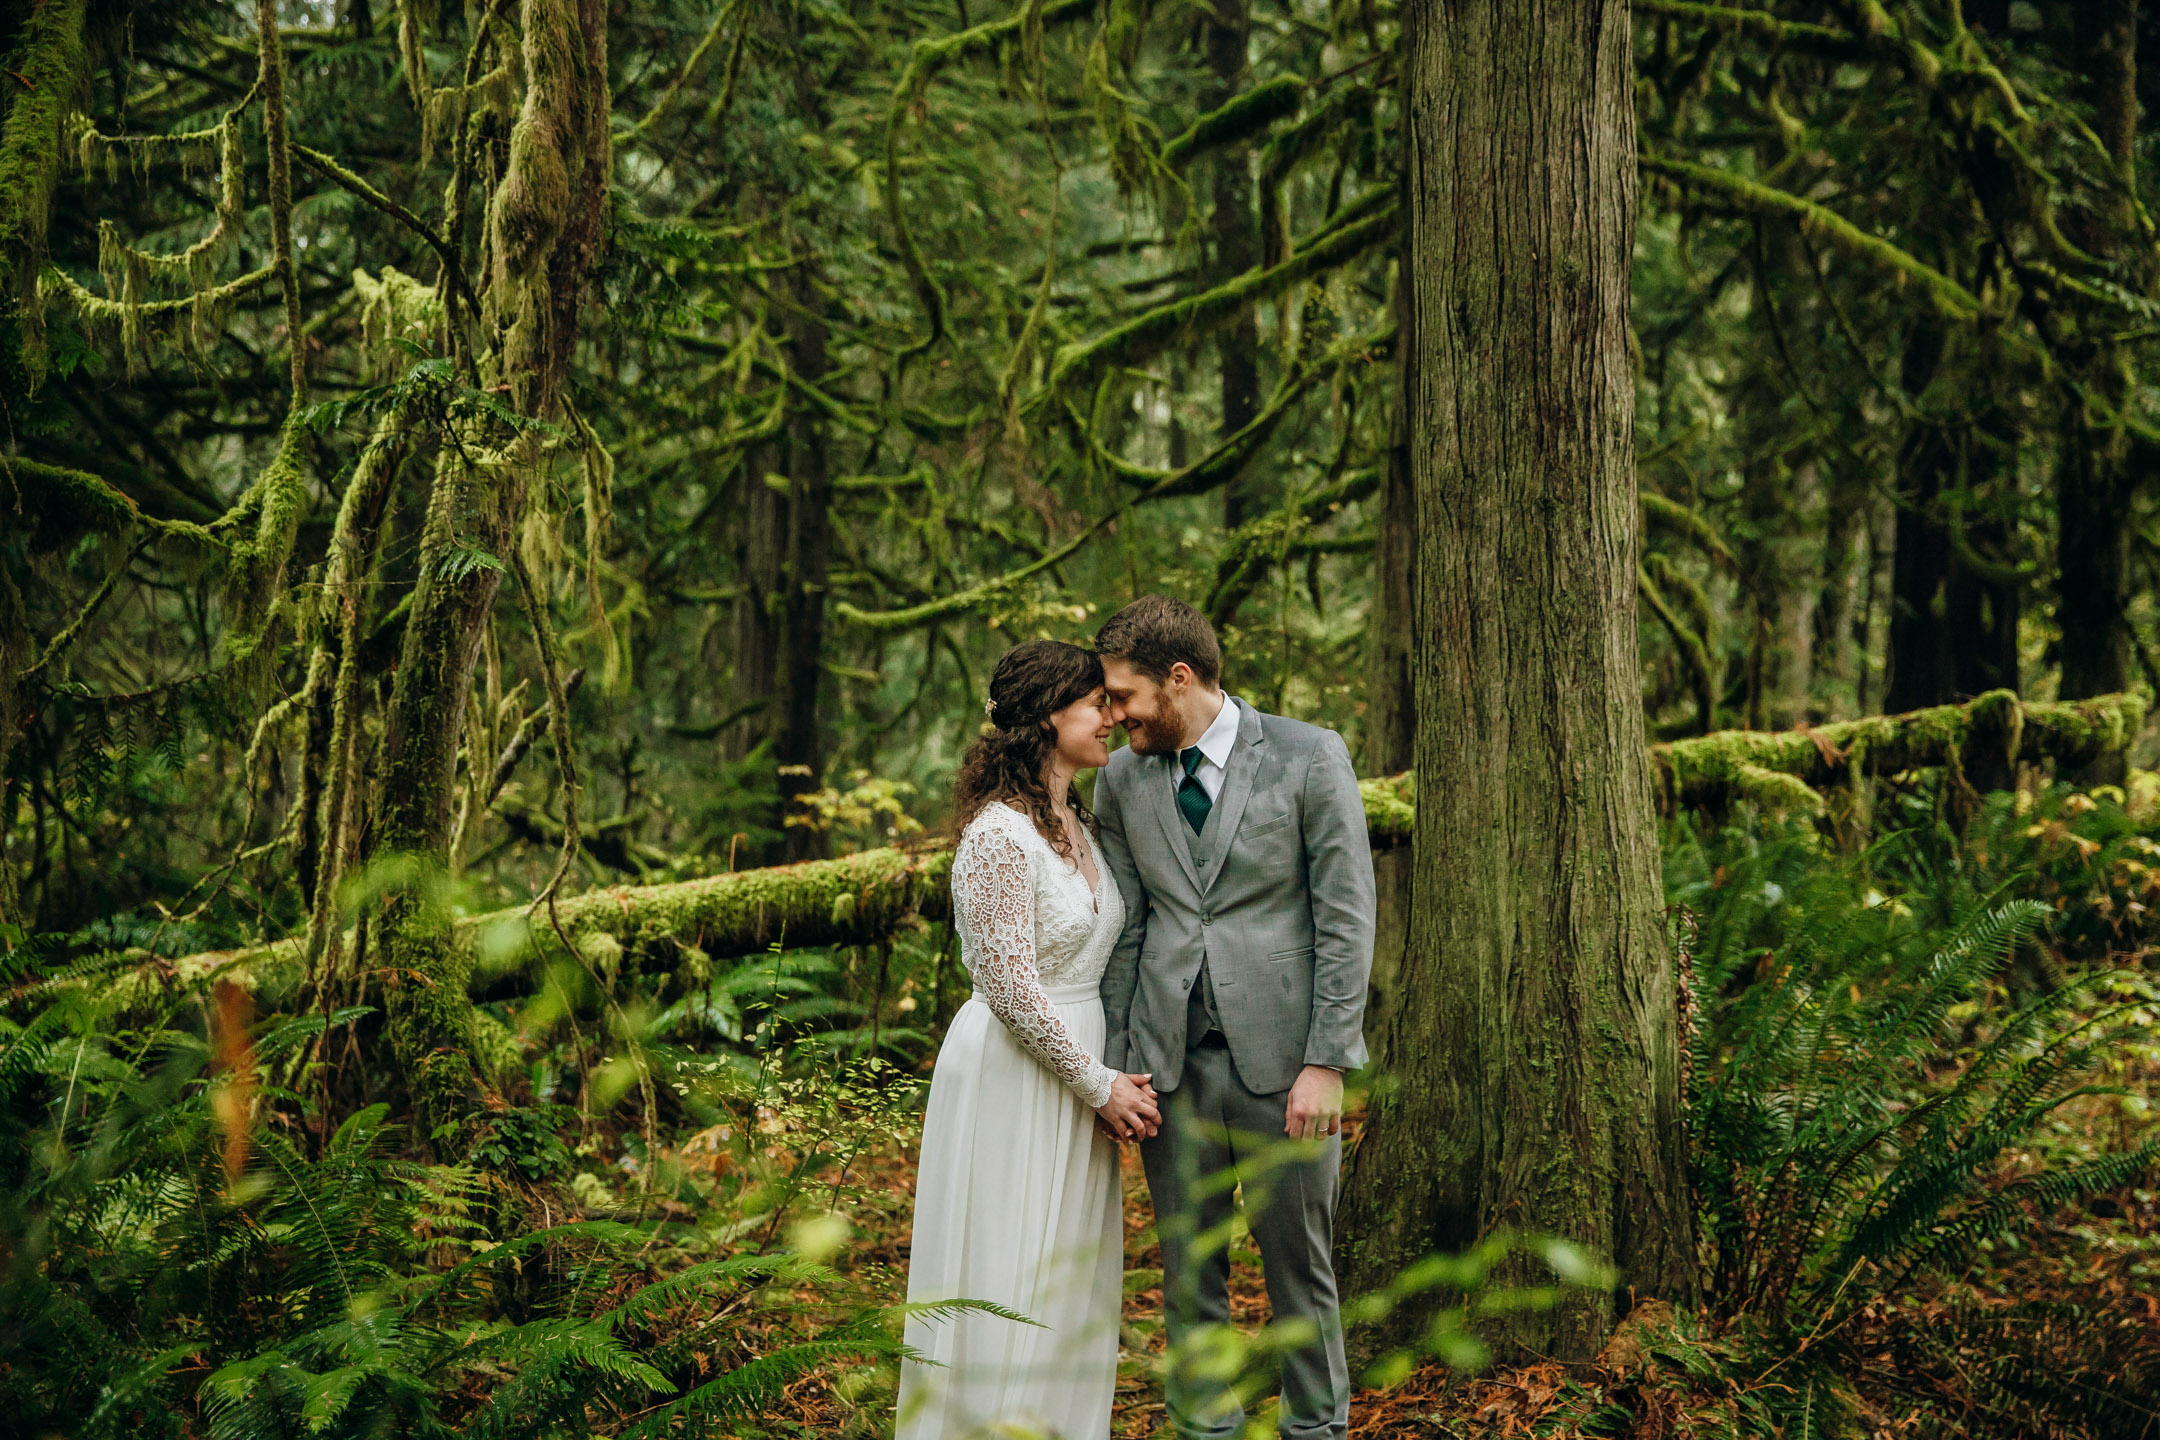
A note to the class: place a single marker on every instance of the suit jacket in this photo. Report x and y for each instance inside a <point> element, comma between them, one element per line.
<point>1275,893</point>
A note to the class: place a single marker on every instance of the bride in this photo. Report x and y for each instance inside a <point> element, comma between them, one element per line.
<point>1017,1199</point>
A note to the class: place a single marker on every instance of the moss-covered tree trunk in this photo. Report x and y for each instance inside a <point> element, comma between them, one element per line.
<point>46,57</point>
<point>544,225</point>
<point>1535,1042</point>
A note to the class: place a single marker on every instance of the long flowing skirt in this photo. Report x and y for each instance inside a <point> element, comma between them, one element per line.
<point>1016,1202</point>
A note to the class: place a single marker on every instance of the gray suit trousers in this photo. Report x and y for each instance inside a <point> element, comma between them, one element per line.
<point>1216,1133</point>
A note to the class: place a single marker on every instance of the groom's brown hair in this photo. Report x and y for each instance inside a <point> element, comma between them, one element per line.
<point>1155,632</point>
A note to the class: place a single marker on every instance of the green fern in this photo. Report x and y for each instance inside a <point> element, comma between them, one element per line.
<point>1825,1146</point>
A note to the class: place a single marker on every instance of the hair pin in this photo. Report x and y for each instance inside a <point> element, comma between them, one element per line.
<point>989,708</point>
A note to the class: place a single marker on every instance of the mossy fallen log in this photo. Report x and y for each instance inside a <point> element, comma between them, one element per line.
<point>863,899</point>
<point>1789,769</point>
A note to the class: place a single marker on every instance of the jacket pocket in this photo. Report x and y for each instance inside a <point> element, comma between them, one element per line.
<point>1293,972</point>
<point>1264,827</point>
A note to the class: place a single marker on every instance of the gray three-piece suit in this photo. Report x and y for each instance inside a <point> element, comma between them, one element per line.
<point>1244,958</point>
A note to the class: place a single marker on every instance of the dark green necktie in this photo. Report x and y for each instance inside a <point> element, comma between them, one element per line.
<point>1192,796</point>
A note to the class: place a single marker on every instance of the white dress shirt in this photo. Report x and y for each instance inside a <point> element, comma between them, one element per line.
<point>1215,744</point>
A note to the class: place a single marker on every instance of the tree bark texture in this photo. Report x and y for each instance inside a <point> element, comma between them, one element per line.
<point>1536,1040</point>
<point>1390,699</point>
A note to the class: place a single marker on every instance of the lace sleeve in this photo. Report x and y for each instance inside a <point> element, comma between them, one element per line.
<point>995,898</point>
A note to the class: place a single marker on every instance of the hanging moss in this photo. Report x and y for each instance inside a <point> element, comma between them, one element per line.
<point>924,61</point>
<point>140,328</point>
<point>125,268</point>
<point>49,63</point>
<point>332,773</point>
<point>395,307</point>
<point>1128,139</point>
<point>255,567</point>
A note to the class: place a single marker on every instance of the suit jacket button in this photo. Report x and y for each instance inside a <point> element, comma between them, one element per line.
<point>1207,919</point>
<point>1184,984</point>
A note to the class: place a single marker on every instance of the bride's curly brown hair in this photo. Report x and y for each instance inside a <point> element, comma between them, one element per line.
<point>1031,682</point>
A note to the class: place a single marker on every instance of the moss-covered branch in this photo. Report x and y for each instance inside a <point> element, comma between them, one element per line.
<point>1684,523</point>
<point>1823,40</point>
<point>915,616</point>
<point>1242,117</point>
<point>1078,365</point>
<point>1787,770</point>
<point>65,502</point>
<point>1950,299</point>
<point>924,61</point>
<point>1258,543</point>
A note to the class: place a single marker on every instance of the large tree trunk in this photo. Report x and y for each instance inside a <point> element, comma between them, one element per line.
<point>785,559</point>
<point>1234,246</point>
<point>798,744</point>
<point>1390,699</point>
<point>754,655</point>
<point>2093,476</point>
<point>544,229</point>
<point>1840,617</point>
<point>1783,508</point>
<point>1535,1042</point>
<point>1953,628</point>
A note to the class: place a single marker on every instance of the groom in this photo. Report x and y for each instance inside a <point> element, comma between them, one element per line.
<point>1239,842</point>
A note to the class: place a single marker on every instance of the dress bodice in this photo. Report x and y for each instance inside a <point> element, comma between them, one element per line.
<point>1028,920</point>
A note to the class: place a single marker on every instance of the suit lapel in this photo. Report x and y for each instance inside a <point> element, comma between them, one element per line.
<point>1156,779</point>
<point>1238,778</point>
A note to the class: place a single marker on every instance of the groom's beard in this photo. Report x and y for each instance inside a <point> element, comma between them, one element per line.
<point>1145,739</point>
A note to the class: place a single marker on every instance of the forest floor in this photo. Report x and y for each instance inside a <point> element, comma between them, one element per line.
<point>2093,1267</point>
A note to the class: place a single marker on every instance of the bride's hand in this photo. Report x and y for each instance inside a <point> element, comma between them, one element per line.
<point>1130,1112</point>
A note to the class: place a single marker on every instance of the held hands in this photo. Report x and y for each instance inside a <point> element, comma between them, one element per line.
<point>1315,1104</point>
<point>1131,1112</point>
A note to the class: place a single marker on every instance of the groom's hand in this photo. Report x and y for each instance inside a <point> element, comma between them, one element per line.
<point>1315,1104</point>
<point>1131,1111</point>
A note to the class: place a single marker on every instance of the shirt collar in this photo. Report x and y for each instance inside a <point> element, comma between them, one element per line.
<point>1217,741</point>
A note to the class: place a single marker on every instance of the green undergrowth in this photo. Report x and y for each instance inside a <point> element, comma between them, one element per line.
<point>1920,1082</point>
<point>191,1246</point>
<point>1920,1071</point>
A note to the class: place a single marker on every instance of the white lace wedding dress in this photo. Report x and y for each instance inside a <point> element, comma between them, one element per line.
<point>1017,1198</point>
